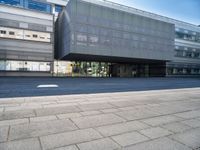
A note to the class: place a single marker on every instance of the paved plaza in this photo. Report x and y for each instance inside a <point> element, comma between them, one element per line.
<point>153,119</point>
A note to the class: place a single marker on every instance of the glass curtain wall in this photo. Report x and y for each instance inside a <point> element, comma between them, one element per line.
<point>82,69</point>
<point>29,4</point>
<point>187,35</point>
<point>7,65</point>
<point>187,52</point>
<point>183,69</point>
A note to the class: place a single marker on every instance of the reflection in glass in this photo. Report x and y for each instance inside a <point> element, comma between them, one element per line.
<point>82,69</point>
<point>24,66</point>
<point>30,4</point>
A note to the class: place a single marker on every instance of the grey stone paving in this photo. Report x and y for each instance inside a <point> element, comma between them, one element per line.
<point>143,120</point>
<point>102,144</point>
<point>129,138</point>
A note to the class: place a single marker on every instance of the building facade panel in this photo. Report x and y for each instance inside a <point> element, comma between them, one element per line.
<point>94,38</point>
<point>110,32</point>
<point>26,41</point>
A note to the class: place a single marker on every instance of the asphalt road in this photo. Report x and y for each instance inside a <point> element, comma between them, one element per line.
<point>22,87</point>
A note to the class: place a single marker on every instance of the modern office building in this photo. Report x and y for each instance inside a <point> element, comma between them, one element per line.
<point>27,36</point>
<point>94,38</point>
<point>107,39</point>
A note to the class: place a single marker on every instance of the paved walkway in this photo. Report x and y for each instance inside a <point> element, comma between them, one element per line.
<point>150,120</point>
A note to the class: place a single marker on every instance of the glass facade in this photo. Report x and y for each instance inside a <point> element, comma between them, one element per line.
<point>187,52</point>
<point>58,8</point>
<point>187,35</point>
<point>29,4</point>
<point>82,69</point>
<point>105,69</point>
<point>9,65</point>
<point>35,5</point>
<point>183,69</point>
<point>13,33</point>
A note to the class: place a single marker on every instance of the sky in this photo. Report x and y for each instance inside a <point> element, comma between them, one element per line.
<point>184,10</point>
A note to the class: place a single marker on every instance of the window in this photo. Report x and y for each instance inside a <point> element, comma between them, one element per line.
<point>82,38</point>
<point>35,36</point>
<point>189,54</point>
<point>24,66</point>
<point>11,2</point>
<point>3,32</point>
<point>14,33</point>
<point>189,35</point>
<point>32,4</point>
<point>58,8</point>
<point>11,33</point>
<point>196,55</point>
<point>93,39</point>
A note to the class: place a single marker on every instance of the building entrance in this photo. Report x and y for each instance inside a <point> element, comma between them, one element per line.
<point>105,69</point>
<point>129,70</point>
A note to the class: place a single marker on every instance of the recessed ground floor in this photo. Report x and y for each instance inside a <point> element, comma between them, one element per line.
<point>77,68</point>
<point>107,69</point>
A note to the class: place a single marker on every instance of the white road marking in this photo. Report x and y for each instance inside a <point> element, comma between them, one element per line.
<point>47,86</point>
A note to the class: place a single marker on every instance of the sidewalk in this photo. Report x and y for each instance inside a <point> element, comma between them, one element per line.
<point>150,120</point>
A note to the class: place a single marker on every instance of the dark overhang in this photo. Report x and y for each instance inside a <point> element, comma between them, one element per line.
<point>96,58</point>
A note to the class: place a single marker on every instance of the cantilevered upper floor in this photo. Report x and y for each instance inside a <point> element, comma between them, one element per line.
<point>96,29</point>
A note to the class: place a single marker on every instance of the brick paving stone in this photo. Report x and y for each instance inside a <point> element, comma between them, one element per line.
<point>40,129</point>
<point>121,128</point>
<point>129,138</point>
<point>97,120</point>
<point>189,114</point>
<point>124,103</point>
<point>110,110</point>
<point>26,144</point>
<point>21,107</point>
<point>8,106</point>
<point>13,122</point>
<point>45,118</point>
<point>73,147</point>
<point>69,115</point>
<point>3,134</point>
<point>137,114</point>
<point>190,138</point>
<point>176,127</point>
<point>56,110</point>
<point>70,101</point>
<point>41,99</point>
<point>95,106</point>
<point>102,144</point>
<point>159,144</point>
<point>88,113</point>
<point>166,108</point>
<point>192,123</point>
<point>69,138</point>
<point>12,100</point>
<point>161,120</point>
<point>16,114</point>
<point>155,132</point>
<point>127,108</point>
<point>59,105</point>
